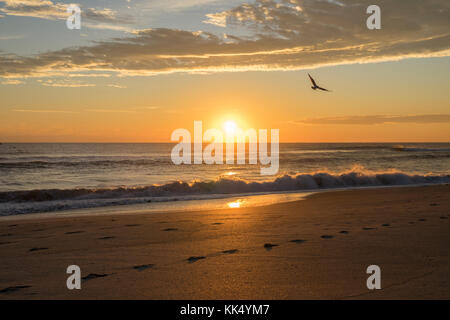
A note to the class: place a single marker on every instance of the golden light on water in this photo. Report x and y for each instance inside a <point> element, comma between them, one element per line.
<point>235,204</point>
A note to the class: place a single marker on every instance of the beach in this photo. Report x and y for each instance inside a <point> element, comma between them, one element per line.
<point>317,248</point>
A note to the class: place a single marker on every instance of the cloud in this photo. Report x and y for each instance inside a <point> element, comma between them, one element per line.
<point>378,119</point>
<point>42,111</point>
<point>65,83</point>
<point>49,10</point>
<point>118,86</point>
<point>284,35</point>
<point>148,108</point>
<point>110,111</point>
<point>217,19</point>
<point>95,110</point>
<point>11,82</point>
<point>11,37</point>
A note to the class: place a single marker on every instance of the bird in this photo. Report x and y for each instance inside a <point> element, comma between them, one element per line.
<point>315,86</point>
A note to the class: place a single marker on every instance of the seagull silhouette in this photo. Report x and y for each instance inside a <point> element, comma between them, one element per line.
<point>315,86</point>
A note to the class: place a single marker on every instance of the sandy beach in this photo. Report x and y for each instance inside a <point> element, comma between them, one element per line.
<point>318,248</point>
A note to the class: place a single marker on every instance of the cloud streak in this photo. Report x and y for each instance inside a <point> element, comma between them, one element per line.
<point>46,9</point>
<point>378,119</point>
<point>42,111</point>
<point>285,35</point>
<point>65,84</point>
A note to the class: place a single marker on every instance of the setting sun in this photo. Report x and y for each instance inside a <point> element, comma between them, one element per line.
<point>230,127</point>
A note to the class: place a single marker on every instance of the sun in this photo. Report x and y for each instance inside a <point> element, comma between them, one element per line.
<point>230,127</point>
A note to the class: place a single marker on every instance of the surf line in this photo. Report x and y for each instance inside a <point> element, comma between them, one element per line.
<point>213,153</point>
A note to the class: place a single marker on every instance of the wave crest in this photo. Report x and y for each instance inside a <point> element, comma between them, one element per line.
<point>356,177</point>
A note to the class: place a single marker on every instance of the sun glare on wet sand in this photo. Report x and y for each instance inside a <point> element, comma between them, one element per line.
<point>235,204</point>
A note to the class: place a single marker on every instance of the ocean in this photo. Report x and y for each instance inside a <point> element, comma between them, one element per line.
<point>53,177</point>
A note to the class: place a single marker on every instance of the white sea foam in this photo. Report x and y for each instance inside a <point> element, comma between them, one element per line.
<point>34,201</point>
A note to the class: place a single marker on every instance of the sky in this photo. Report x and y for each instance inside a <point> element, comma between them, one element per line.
<point>139,69</point>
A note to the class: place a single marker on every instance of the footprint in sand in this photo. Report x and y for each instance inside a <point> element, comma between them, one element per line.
<point>106,238</point>
<point>298,241</point>
<point>74,232</point>
<point>422,220</point>
<point>344,232</point>
<point>132,225</point>
<point>13,225</point>
<point>6,235</point>
<point>94,276</point>
<point>13,289</point>
<point>444,218</point>
<point>217,223</point>
<point>269,246</point>
<point>386,225</point>
<point>233,251</point>
<point>143,267</point>
<point>2,243</point>
<point>195,259</point>
<point>327,237</point>
<point>369,229</point>
<point>37,249</point>
<point>107,228</point>
<point>434,204</point>
<point>170,229</point>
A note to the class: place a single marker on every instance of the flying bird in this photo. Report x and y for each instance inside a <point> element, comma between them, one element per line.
<point>315,86</point>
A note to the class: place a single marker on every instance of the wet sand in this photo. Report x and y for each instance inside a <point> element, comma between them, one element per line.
<point>318,248</point>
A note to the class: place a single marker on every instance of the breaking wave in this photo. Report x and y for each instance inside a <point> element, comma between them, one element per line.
<point>414,149</point>
<point>18,202</point>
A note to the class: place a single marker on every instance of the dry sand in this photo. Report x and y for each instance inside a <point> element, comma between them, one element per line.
<point>222,254</point>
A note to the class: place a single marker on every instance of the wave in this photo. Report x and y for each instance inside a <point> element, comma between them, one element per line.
<point>16,202</point>
<point>36,164</point>
<point>415,149</point>
<point>285,158</point>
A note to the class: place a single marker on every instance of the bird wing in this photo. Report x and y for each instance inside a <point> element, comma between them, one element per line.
<point>323,89</point>
<point>312,80</point>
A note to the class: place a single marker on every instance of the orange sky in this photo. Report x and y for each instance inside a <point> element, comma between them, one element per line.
<point>149,109</point>
<point>136,71</point>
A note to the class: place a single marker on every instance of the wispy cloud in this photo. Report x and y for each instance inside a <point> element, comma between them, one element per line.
<point>11,37</point>
<point>12,82</point>
<point>118,86</point>
<point>286,35</point>
<point>110,111</point>
<point>45,9</point>
<point>42,111</point>
<point>148,108</point>
<point>65,83</point>
<point>377,119</point>
<point>94,110</point>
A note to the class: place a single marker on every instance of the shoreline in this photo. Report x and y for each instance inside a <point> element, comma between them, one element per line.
<point>318,248</point>
<point>173,206</point>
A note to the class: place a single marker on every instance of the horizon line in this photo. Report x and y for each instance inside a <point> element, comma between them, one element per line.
<point>170,142</point>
